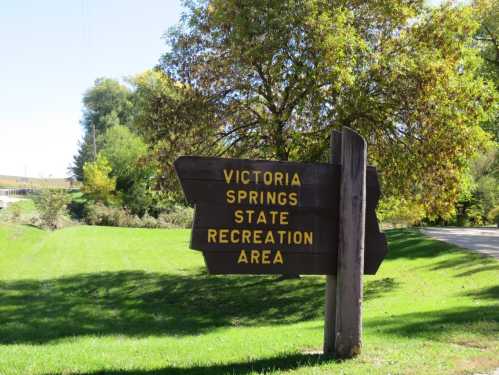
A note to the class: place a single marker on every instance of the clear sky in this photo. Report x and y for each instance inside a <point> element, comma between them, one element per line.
<point>50,53</point>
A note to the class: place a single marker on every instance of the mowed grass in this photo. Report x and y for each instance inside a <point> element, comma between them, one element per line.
<point>97,300</point>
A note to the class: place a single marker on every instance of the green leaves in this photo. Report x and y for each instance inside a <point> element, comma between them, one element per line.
<point>97,182</point>
<point>279,75</point>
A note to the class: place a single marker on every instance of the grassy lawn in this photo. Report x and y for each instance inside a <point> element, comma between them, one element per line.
<point>97,300</point>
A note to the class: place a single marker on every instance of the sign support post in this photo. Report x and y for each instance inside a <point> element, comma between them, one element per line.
<point>271,217</point>
<point>330,300</point>
<point>348,325</point>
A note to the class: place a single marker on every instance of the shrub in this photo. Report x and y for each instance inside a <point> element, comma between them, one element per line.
<point>493,215</point>
<point>178,217</point>
<point>399,212</point>
<point>16,211</point>
<point>97,183</point>
<point>76,206</point>
<point>474,214</point>
<point>51,205</point>
<point>96,213</point>
<point>148,221</point>
<point>20,212</point>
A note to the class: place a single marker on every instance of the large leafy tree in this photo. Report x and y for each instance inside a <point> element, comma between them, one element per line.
<point>174,120</point>
<point>106,104</point>
<point>487,39</point>
<point>279,75</point>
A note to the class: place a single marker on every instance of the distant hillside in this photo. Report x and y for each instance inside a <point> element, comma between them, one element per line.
<point>31,182</point>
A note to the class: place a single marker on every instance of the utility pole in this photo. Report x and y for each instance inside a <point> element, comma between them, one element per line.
<point>95,143</point>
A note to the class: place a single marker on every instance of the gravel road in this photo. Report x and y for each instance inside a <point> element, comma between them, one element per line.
<point>483,240</point>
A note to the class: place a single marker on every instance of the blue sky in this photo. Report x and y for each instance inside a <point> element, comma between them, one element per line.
<point>50,53</point>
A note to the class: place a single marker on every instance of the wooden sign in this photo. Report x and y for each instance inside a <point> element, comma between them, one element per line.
<point>267,217</point>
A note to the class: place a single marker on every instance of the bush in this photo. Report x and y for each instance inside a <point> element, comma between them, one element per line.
<point>97,213</point>
<point>97,183</point>
<point>178,217</point>
<point>493,215</point>
<point>399,212</point>
<point>51,205</point>
<point>76,206</point>
<point>149,222</point>
<point>16,211</point>
<point>20,212</point>
<point>474,215</point>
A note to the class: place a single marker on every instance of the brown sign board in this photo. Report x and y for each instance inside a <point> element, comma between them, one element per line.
<point>269,217</point>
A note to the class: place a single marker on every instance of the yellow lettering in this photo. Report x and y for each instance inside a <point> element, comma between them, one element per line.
<point>223,236</point>
<point>250,216</point>
<point>255,256</point>
<point>257,176</point>
<point>281,198</point>
<point>293,199</point>
<point>295,181</point>
<point>281,236</point>
<point>212,235</point>
<point>246,236</point>
<point>253,197</point>
<point>230,196</point>
<point>308,238</point>
<point>257,236</point>
<point>241,195</point>
<point>228,175</point>
<point>267,178</point>
<point>271,197</point>
<point>283,218</point>
<point>269,237</point>
<point>234,236</point>
<point>245,177</point>
<point>297,237</point>
<point>278,178</point>
<point>265,257</point>
<point>278,258</point>
<point>261,218</point>
<point>238,216</point>
<point>242,257</point>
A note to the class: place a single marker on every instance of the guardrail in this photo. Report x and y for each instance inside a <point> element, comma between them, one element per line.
<point>16,192</point>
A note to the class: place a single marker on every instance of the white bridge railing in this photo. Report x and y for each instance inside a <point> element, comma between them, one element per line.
<point>16,192</point>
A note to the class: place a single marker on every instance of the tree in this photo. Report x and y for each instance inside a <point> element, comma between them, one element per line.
<point>127,156</point>
<point>174,120</point>
<point>280,75</point>
<point>97,182</point>
<point>106,104</point>
<point>124,151</point>
<point>487,38</point>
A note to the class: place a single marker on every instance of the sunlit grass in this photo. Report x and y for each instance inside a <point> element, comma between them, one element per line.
<point>124,301</point>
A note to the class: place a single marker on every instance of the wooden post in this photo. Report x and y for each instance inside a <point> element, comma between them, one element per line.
<point>348,325</point>
<point>330,301</point>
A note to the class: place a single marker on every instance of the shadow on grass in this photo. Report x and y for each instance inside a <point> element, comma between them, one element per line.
<point>138,303</point>
<point>480,320</point>
<point>411,244</point>
<point>487,293</point>
<point>285,362</point>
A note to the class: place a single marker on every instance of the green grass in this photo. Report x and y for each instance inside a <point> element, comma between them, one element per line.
<point>26,208</point>
<point>97,300</point>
